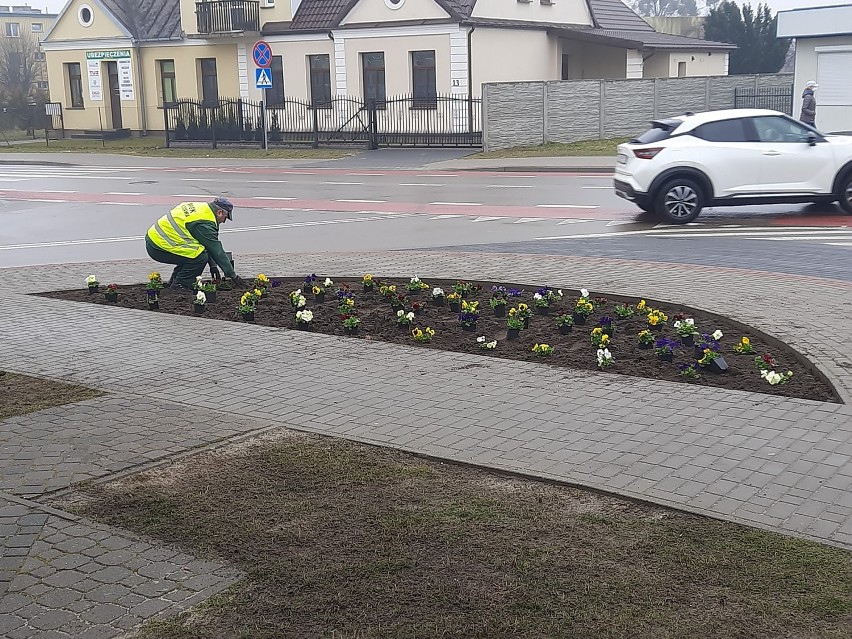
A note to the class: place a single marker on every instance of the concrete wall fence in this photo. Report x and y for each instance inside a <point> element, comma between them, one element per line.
<point>533,113</point>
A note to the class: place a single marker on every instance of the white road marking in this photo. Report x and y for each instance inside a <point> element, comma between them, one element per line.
<point>200,180</point>
<point>621,222</point>
<point>520,177</point>
<point>195,197</point>
<point>455,203</point>
<point>363,201</point>
<point>421,184</point>
<point>122,193</point>
<point>444,217</point>
<point>70,176</point>
<point>56,201</point>
<point>46,191</point>
<point>529,219</point>
<point>135,238</point>
<point>838,243</point>
<point>344,183</point>
<point>13,179</point>
<point>779,234</point>
<point>509,186</point>
<point>574,221</point>
<point>268,181</point>
<point>485,218</point>
<point>431,175</point>
<point>565,206</point>
<point>366,174</point>
<point>608,188</point>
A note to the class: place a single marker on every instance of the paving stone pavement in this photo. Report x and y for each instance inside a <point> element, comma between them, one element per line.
<point>772,462</point>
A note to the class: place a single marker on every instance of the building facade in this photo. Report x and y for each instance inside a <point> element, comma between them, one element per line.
<point>823,53</point>
<point>114,63</point>
<point>22,28</point>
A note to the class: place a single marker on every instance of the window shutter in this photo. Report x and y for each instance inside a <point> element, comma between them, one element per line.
<point>835,89</point>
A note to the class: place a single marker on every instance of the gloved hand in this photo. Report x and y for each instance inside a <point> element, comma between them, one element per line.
<point>214,274</point>
<point>238,281</point>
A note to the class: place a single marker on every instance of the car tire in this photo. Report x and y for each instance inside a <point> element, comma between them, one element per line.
<point>844,193</point>
<point>679,201</point>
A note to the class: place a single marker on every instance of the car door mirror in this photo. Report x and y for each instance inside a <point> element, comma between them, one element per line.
<point>812,139</point>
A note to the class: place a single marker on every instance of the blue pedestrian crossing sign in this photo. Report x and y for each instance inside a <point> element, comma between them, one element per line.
<point>262,78</point>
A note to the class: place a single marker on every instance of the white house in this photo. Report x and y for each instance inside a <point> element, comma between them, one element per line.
<point>823,53</point>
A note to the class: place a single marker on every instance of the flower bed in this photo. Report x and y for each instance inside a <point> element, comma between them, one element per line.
<point>569,328</point>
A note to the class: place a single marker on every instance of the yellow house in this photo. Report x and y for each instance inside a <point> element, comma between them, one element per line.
<point>114,63</point>
<point>22,29</point>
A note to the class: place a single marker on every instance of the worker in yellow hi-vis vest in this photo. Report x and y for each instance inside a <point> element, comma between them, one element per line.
<point>188,236</point>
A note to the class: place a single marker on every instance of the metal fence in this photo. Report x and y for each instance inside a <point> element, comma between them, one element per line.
<point>225,16</point>
<point>442,120</point>
<point>775,98</point>
<point>232,122</point>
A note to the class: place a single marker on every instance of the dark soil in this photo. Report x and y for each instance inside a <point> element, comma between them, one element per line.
<point>574,350</point>
<point>20,394</point>
<point>339,539</point>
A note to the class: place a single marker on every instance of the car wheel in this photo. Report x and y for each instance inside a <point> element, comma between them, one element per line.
<point>845,193</point>
<point>679,201</point>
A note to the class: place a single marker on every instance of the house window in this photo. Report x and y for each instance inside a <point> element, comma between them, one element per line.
<point>42,84</point>
<point>75,84</point>
<point>566,67</point>
<point>209,81</point>
<point>423,80</point>
<point>37,27</point>
<point>168,82</point>
<point>373,65</point>
<point>320,70</point>
<point>13,30</point>
<point>681,69</point>
<point>275,95</point>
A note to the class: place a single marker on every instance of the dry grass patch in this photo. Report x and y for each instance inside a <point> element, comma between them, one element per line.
<point>20,394</point>
<point>555,149</point>
<point>344,540</point>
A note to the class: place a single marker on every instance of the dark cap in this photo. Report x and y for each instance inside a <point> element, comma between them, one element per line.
<point>224,204</point>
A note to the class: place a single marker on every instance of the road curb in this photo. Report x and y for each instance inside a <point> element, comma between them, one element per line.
<point>537,169</point>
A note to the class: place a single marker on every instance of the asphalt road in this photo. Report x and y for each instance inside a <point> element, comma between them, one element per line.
<point>69,213</point>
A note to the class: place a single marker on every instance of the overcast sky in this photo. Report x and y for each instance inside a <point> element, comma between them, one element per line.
<point>776,5</point>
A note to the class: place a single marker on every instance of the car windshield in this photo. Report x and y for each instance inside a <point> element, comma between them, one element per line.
<point>660,130</point>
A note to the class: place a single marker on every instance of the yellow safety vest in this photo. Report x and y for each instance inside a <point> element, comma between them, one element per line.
<point>170,233</point>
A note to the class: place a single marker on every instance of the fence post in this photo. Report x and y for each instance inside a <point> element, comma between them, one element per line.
<point>316,126</point>
<point>602,110</point>
<point>62,120</point>
<point>656,96</point>
<point>707,93</point>
<point>373,142</point>
<point>545,123</point>
<point>212,121</point>
<point>166,120</point>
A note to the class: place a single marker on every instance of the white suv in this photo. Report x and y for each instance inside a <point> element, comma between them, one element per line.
<point>731,158</point>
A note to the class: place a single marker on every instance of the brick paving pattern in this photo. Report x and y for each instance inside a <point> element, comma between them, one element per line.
<point>771,462</point>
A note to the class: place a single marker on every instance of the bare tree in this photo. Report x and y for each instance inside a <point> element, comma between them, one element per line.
<point>657,8</point>
<point>21,66</point>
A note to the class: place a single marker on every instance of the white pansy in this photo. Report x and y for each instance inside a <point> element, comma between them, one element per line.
<point>437,292</point>
<point>559,292</point>
<point>300,301</point>
<point>91,279</point>
<point>537,296</point>
<point>492,344</point>
<point>304,316</point>
<point>690,321</point>
<point>481,339</point>
<point>415,280</point>
<point>200,298</point>
<point>409,316</point>
<point>400,313</point>
<point>328,282</point>
<point>677,324</point>
<point>584,292</point>
<point>717,335</point>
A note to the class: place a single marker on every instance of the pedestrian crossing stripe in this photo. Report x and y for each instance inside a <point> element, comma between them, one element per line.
<point>263,80</point>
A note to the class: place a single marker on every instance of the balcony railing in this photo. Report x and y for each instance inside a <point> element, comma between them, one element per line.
<point>227,16</point>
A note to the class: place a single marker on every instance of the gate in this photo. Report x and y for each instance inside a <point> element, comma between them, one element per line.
<point>400,121</point>
<point>443,120</point>
<point>775,98</point>
<point>340,121</point>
